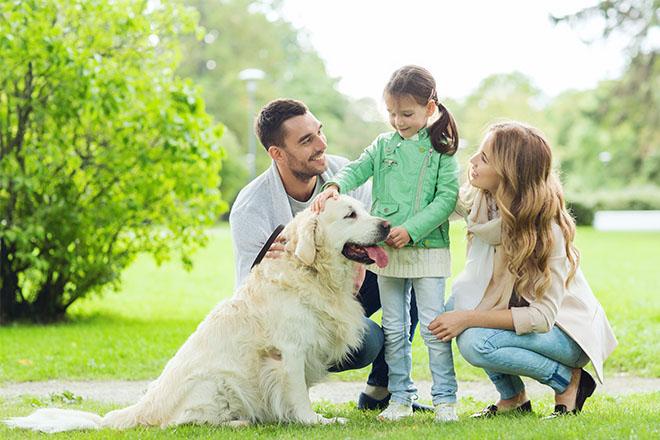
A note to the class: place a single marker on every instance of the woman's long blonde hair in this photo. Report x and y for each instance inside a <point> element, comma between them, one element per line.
<point>530,199</point>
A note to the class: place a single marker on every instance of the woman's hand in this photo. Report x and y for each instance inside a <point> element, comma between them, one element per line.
<point>398,237</point>
<point>331,192</point>
<point>448,325</point>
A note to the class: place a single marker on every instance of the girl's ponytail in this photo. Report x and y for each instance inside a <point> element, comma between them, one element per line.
<point>443,132</point>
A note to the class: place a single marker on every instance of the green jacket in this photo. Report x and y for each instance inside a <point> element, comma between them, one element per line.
<point>414,186</point>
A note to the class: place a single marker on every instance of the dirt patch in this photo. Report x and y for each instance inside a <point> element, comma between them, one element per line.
<point>126,392</point>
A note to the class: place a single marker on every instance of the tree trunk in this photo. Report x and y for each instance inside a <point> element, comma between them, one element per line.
<point>47,306</point>
<point>9,306</point>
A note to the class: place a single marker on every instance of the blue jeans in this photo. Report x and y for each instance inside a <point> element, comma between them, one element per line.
<point>395,300</point>
<point>366,353</point>
<point>505,356</point>
<point>370,300</point>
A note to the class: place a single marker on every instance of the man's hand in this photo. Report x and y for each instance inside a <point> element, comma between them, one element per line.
<point>360,274</point>
<point>448,325</point>
<point>398,237</point>
<point>277,248</point>
<point>331,192</point>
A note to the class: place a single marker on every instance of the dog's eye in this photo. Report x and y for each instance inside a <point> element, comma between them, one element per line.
<point>351,214</point>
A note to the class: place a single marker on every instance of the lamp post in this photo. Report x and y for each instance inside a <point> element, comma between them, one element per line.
<point>251,76</point>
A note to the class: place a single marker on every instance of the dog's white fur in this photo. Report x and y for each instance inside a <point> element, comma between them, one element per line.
<point>255,356</point>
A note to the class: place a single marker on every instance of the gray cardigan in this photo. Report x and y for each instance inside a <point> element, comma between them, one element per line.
<point>262,205</point>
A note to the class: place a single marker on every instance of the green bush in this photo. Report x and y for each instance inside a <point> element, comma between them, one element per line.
<point>582,212</point>
<point>630,199</point>
<point>105,153</point>
<point>645,198</point>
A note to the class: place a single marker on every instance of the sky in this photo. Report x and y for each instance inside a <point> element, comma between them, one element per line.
<point>460,42</point>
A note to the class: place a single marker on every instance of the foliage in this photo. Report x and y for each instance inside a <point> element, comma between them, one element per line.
<point>582,212</point>
<point>629,199</point>
<point>636,18</point>
<point>241,34</point>
<point>104,152</point>
<point>616,122</point>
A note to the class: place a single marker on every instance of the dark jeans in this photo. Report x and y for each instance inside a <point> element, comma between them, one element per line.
<point>372,350</point>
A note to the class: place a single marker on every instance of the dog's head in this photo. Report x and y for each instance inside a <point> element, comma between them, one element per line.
<point>343,227</point>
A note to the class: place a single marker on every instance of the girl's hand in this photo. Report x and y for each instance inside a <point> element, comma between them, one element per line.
<point>398,237</point>
<point>331,192</point>
<point>448,325</point>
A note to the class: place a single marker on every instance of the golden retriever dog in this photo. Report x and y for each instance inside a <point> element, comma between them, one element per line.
<point>255,356</point>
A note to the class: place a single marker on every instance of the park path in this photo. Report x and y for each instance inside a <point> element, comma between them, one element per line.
<point>126,392</point>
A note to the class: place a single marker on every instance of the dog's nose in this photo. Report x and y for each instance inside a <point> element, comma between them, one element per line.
<point>385,226</point>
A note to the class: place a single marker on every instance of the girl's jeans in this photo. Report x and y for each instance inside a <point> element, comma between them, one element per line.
<point>395,301</point>
<point>546,357</point>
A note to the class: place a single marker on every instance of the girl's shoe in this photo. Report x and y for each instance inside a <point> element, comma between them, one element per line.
<point>445,412</point>
<point>395,411</point>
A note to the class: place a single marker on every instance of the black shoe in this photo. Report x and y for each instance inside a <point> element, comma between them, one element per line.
<point>366,402</point>
<point>491,411</point>
<point>421,408</point>
<point>586,388</point>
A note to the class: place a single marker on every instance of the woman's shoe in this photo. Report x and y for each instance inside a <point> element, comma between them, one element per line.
<point>491,411</point>
<point>586,388</point>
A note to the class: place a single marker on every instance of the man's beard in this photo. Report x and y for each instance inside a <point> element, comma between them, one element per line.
<point>305,175</point>
<point>302,172</point>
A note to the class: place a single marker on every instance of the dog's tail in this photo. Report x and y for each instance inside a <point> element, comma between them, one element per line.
<point>56,420</point>
<point>52,420</point>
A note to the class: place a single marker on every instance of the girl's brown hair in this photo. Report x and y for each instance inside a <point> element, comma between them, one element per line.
<point>531,200</point>
<point>418,82</point>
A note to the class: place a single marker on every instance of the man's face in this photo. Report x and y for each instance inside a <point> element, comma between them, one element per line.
<point>304,146</point>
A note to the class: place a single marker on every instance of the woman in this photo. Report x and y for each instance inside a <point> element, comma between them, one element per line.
<point>522,306</point>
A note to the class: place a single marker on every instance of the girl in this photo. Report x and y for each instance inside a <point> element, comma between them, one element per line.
<point>522,277</point>
<point>415,188</point>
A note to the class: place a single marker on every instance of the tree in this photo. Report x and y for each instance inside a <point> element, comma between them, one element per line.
<point>501,96</point>
<point>104,152</point>
<point>636,18</point>
<point>620,121</point>
<point>242,34</point>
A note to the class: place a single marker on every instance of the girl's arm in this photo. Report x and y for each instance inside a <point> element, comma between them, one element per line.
<point>438,211</point>
<point>356,172</point>
<point>448,325</point>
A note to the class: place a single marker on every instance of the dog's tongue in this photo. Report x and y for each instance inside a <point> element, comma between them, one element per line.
<point>378,255</point>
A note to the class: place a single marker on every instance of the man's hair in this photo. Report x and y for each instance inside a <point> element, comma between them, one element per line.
<point>270,119</point>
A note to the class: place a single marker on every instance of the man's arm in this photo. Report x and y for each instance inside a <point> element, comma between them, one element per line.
<point>248,236</point>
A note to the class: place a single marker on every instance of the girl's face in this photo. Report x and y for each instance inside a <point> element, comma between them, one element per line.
<point>406,115</point>
<point>482,173</point>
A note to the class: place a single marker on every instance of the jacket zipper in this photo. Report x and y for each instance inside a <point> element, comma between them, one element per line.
<point>420,181</point>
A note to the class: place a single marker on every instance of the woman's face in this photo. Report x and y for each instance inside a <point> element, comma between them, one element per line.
<point>482,173</point>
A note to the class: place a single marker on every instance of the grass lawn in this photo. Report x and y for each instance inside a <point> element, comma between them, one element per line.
<point>604,417</point>
<point>132,333</point>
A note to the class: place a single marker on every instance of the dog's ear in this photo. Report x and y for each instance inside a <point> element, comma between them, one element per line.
<point>306,243</point>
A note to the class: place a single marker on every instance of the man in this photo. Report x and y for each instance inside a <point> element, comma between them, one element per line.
<point>294,140</point>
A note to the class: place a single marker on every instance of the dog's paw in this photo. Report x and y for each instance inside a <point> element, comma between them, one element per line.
<point>332,420</point>
<point>237,424</point>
